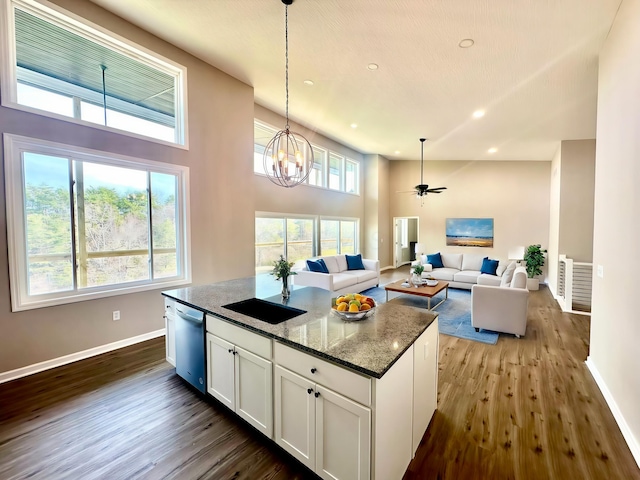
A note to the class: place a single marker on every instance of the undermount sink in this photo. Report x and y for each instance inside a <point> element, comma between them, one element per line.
<point>265,311</point>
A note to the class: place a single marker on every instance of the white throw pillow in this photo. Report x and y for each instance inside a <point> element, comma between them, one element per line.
<point>507,276</point>
<point>452,260</point>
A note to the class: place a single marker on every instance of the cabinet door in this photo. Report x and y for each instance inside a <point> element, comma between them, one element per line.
<point>425,381</point>
<point>254,390</point>
<point>221,370</point>
<point>170,338</point>
<point>343,439</point>
<point>295,414</point>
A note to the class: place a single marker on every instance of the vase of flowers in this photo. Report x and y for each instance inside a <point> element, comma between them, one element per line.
<point>416,278</point>
<point>282,270</point>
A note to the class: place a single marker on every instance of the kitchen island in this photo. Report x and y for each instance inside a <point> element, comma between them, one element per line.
<point>350,400</point>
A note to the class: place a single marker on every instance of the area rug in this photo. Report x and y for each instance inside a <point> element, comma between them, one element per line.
<point>454,314</point>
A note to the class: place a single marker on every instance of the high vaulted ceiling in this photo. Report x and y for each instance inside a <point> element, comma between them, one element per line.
<point>533,67</point>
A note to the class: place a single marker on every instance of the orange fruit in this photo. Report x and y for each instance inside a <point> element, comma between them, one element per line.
<point>365,306</point>
<point>342,307</point>
<point>353,307</point>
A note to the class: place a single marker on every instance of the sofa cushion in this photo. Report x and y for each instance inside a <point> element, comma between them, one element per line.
<point>467,276</point>
<point>332,264</point>
<point>365,275</point>
<point>519,278</point>
<point>344,280</point>
<point>317,266</point>
<point>502,266</point>
<point>435,260</point>
<point>354,262</point>
<point>489,266</point>
<point>452,260</point>
<point>472,262</point>
<point>507,276</point>
<point>491,280</point>
<point>343,265</point>
<point>424,259</point>
<point>445,274</point>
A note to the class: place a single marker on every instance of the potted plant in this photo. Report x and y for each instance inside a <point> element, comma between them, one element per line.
<point>417,273</point>
<point>534,260</point>
<point>282,270</point>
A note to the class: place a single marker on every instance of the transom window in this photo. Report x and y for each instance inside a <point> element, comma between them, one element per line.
<point>59,65</point>
<point>85,224</point>
<point>330,170</point>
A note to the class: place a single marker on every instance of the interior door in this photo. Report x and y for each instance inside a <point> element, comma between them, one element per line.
<point>397,244</point>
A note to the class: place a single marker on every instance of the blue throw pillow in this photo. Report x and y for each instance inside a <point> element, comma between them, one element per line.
<point>489,266</point>
<point>354,262</point>
<point>435,260</point>
<point>317,266</point>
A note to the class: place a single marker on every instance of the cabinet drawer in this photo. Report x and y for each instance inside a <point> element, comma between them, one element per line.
<point>347,383</point>
<point>239,336</point>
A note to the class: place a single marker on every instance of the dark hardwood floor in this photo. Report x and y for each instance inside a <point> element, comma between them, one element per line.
<point>522,409</point>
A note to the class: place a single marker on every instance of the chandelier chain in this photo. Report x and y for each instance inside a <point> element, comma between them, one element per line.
<point>286,62</point>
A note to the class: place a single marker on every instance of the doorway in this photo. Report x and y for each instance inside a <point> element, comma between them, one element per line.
<point>405,236</point>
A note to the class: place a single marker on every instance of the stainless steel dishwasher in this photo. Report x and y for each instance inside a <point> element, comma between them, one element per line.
<point>190,348</point>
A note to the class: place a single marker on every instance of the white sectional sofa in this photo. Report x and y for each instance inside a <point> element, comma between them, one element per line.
<point>340,279</point>
<point>463,270</point>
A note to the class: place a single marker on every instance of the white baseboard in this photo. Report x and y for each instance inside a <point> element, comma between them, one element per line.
<point>74,357</point>
<point>632,442</point>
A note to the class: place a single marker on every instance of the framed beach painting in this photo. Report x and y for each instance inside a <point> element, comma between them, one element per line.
<point>470,232</point>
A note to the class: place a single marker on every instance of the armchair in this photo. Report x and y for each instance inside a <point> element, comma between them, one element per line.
<point>503,308</point>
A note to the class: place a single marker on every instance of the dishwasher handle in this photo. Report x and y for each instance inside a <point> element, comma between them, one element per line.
<point>193,316</point>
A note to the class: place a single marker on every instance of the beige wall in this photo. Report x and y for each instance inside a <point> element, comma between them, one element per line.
<point>377,232</point>
<point>615,329</point>
<point>514,194</point>
<point>572,197</point>
<point>222,215</point>
<point>554,222</point>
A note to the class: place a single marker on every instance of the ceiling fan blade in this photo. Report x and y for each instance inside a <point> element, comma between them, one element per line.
<point>436,189</point>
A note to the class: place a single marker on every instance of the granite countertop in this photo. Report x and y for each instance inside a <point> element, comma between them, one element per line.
<point>370,346</point>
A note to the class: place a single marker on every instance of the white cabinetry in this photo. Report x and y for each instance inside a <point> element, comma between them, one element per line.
<point>238,378</point>
<point>325,430</point>
<point>170,332</point>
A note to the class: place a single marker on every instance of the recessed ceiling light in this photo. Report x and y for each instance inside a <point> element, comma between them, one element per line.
<point>466,43</point>
<point>478,114</point>
<point>397,152</point>
<point>354,125</point>
<point>492,150</point>
<point>308,82</point>
<point>372,66</point>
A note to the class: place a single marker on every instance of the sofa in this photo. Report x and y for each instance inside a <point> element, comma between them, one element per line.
<point>503,308</point>
<point>464,270</point>
<point>339,278</point>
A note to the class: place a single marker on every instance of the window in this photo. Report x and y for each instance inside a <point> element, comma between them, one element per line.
<point>85,224</point>
<point>338,236</point>
<point>317,175</point>
<point>292,237</point>
<point>330,170</point>
<point>351,176</point>
<point>335,171</point>
<point>113,83</point>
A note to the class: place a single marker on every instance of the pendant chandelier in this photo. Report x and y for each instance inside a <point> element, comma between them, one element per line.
<point>288,157</point>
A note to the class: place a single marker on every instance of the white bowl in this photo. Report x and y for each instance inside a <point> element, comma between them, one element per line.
<point>431,282</point>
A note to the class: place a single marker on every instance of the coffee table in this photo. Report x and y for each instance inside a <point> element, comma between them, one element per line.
<point>421,291</point>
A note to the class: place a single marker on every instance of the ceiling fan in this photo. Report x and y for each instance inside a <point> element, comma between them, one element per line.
<point>421,189</point>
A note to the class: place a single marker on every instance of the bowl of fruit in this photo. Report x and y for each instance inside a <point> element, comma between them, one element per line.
<point>353,306</point>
